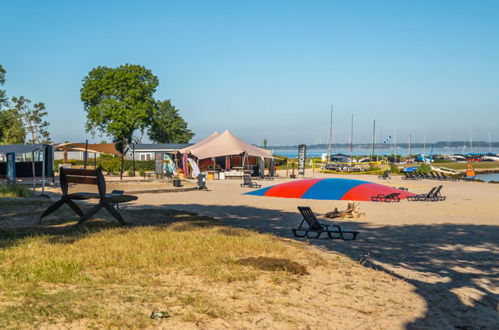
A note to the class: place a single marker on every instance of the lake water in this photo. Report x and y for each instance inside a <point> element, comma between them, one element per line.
<point>488,177</point>
<point>293,153</point>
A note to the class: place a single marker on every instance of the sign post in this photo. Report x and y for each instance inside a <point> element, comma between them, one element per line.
<point>11,168</point>
<point>302,158</point>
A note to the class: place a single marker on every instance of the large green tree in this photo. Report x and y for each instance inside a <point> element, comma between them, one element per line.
<point>118,100</point>
<point>168,126</point>
<point>11,128</point>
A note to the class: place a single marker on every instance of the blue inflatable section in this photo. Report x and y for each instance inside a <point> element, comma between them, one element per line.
<point>328,189</point>
<point>259,192</point>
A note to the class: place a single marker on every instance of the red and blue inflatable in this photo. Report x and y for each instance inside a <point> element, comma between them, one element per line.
<point>329,189</point>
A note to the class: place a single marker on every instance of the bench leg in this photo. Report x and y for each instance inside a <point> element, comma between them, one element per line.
<point>115,213</point>
<point>52,208</point>
<point>75,207</point>
<point>90,213</point>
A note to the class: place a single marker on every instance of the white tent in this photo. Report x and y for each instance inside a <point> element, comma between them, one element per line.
<point>225,144</point>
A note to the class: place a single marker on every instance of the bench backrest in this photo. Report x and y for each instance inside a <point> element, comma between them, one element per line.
<point>309,216</point>
<point>81,176</point>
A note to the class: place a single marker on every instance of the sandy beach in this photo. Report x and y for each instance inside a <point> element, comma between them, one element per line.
<point>448,251</point>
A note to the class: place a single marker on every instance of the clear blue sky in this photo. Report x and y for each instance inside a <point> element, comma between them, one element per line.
<point>270,69</point>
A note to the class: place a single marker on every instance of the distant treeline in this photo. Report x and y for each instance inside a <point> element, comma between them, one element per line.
<point>440,144</point>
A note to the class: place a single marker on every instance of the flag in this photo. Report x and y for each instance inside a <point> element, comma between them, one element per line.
<point>387,139</point>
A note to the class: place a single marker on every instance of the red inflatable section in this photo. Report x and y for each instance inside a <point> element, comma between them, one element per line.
<point>364,192</point>
<point>294,189</point>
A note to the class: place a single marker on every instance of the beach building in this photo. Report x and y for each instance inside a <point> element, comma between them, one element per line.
<point>76,150</point>
<point>149,151</point>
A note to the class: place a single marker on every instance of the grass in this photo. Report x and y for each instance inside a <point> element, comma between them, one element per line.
<point>102,275</point>
<point>15,190</point>
<point>476,165</point>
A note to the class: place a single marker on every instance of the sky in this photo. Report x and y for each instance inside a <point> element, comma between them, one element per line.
<point>270,69</point>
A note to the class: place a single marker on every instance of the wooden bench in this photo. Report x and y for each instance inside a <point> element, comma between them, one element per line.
<point>89,177</point>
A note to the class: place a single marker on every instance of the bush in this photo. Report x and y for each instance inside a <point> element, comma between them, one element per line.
<point>424,169</point>
<point>131,172</point>
<point>110,164</point>
<point>15,190</point>
<point>142,173</point>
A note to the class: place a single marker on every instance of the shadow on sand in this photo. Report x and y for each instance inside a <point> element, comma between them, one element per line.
<point>439,260</point>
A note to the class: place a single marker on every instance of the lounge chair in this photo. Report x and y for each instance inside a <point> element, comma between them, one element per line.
<point>422,197</point>
<point>315,228</point>
<point>385,175</point>
<point>393,197</point>
<point>437,196</point>
<point>248,183</point>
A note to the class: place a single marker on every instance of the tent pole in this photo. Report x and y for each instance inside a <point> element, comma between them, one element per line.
<point>33,169</point>
<point>43,171</point>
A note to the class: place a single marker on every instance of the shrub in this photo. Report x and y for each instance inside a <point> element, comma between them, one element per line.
<point>131,172</point>
<point>142,173</point>
<point>15,190</point>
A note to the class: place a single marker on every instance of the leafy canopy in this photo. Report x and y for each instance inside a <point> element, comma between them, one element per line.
<point>118,100</point>
<point>168,126</point>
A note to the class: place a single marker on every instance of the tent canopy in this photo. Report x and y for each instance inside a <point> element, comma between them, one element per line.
<point>225,144</point>
<point>107,148</point>
<point>20,148</point>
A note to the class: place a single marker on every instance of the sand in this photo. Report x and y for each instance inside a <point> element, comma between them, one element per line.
<point>448,252</point>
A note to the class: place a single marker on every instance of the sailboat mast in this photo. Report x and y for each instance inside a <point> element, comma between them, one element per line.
<point>374,139</point>
<point>330,134</point>
<point>490,143</point>
<point>471,142</point>
<point>351,139</point>
<point>410,144</point>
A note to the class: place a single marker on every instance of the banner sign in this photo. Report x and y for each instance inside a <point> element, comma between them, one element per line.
<point>158,162</point>
<point>302,158</point>
<point>11,168</point>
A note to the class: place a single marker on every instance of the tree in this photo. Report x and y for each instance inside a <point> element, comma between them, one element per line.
<point>32,119</point>
<point>168,126</point>
<point>265,143</point>
<point>11,128</point>
<point>119,100</point>
<point>3,95</point>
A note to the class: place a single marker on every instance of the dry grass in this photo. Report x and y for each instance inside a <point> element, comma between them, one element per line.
<point>66,276</point>
<point>199,272</point>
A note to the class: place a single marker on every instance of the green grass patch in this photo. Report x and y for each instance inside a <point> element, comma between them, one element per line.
<point>15,190</point>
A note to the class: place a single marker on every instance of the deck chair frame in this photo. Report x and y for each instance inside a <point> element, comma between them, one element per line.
<point>315,229</point>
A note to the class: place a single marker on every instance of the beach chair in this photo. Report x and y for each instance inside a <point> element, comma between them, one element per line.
<point>393,197</point>
<point>437,196</point>
<point>405,177</point>
<point>422,197</point>
<point>310,227</point>
<point>88,177</point>
<point>433,176</point>
<point>248,183</point>
<point>385,175</point>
